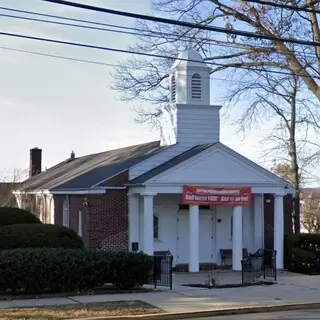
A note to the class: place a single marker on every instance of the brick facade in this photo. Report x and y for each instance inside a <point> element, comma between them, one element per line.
<point>105,219</point>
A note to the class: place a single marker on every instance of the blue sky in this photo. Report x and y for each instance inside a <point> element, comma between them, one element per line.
<point>61,106</point>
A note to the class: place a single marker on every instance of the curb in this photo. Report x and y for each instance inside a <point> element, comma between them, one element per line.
<point>211,313</point>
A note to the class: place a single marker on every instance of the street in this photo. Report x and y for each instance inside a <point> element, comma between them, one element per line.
<point>299,315</point>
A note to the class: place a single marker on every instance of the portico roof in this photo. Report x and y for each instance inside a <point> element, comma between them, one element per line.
<point>212,164</point>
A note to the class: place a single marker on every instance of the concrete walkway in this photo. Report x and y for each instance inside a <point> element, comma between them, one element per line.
<point>291,289</point>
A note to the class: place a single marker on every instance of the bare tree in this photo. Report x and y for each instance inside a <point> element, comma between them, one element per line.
<point>147,79</point>
<point>9,181</point>
<point>281,100</point>
<point>310,209</point>
<point>277,81</point>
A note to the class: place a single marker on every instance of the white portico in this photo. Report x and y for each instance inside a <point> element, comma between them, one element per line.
<point>194,233</point>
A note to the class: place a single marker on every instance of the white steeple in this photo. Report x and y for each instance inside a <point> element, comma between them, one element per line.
<point>197,122</point>
<point>190,79</point>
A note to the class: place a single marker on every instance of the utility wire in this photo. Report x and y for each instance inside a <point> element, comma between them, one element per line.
<point>89,46</point>
<point>102,63</point>
<point>69,24</point>
<point>183,23</point>
<point>64,18</point>
<point>146,33</point>
<point>284,6</point>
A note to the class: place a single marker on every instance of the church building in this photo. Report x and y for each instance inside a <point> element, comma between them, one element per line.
<point>194,197</point>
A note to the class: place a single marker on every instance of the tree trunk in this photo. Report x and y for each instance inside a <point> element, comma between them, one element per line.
<point>293,158</point>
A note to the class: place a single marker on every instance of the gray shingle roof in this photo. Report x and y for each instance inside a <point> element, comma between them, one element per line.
<point>86,171</point>
<point>171,163</point>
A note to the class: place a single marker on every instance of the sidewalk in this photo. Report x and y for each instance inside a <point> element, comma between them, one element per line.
<point>290,290</point>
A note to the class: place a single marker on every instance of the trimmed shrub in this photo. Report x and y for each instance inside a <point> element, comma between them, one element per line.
<point>302,252</point>
<point>69,270</point>
<point>38,236</point>
<point>11,215</point>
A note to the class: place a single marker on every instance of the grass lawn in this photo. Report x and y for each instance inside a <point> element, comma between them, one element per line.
<point>118,308</point>
<point>104,290</point>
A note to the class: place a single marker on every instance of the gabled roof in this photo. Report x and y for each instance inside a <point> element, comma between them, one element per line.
<point>171,163</point>
<point>87,171</point>
<point>265,175</point>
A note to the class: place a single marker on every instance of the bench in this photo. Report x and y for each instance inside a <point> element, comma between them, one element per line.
<point>226,254</point>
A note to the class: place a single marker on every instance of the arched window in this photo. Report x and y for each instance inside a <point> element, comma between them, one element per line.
<point>42,209</point>
<point>155,227</point>
<point>173,89</point>
<point>196,86</point>
<point>66,212</point>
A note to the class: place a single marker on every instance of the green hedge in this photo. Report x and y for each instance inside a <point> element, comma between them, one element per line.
<point>11,215</point>
<point>301,251</point>
<point>69,270</point>
<point>38,236</point>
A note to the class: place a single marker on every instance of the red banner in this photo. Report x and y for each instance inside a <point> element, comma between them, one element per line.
<point>220,196</point>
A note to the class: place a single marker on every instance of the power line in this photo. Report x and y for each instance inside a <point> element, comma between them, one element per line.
<point>89,46</point>
<point>98,62</point>
<point>285,6</point>
<point>183,23</point>
<point>68,24</point>
<point>64,18</point>
<point>152,34</point>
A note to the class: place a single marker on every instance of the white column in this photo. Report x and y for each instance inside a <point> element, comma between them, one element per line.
<point>258,212</point>
<point>193,238</point>
<point>148,223</point>
<point>133,218</point>
<point>236,238</point>
<point>278,229</point>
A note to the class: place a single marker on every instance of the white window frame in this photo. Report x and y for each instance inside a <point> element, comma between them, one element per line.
<point>66,212</point>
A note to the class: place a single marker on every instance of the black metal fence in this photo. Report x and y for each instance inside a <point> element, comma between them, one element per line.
<point>161,274</point>
<point>259,266</point>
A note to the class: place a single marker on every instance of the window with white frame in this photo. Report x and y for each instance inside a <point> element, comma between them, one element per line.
<point>196,86</point>
<point>66,210</point>
<point>156,228</point>
<point>80,222</point>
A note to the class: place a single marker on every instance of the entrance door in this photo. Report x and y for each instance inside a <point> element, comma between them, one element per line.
<point>206,237</point>
<point>223,230</point>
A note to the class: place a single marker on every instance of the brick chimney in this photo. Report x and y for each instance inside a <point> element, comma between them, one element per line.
<point>35,161</point>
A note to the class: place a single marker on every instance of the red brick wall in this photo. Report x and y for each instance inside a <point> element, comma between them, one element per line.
<point>105,219</point>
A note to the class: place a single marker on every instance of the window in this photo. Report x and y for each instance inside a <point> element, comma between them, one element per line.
<point>66,212</point>
<point>80,222</point>
<point>196,86</point>
<point>173,89</point>
<point>155,227</point>
<point>42,209</point>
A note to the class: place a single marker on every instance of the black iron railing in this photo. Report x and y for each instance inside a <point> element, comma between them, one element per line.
<point>259,266</point>
<point>161,273</point>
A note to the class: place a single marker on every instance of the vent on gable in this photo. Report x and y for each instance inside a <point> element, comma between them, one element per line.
<point>196,86</point>
<point>173,89</point>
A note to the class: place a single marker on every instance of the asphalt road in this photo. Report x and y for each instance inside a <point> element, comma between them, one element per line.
<point>287,315</point>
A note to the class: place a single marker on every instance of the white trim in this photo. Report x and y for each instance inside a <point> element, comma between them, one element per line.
<point>66,212</point>
<point>258,170</point>
<point>80,223</point>
<point>101,190</point>
<point>104,180</point>
<point>178,188</point>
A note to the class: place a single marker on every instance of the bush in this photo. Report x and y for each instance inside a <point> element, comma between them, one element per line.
<point>38,236</point>
<point>301,253</point>
<point>70,270</point>
<point>11,215</point>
